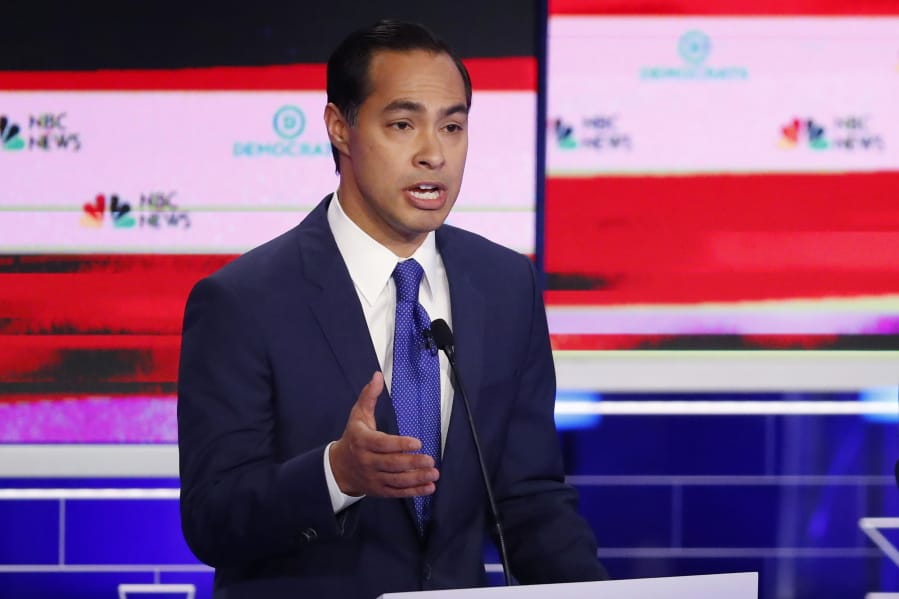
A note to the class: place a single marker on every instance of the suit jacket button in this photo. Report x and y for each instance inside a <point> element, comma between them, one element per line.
<point>426,572</point>
<point>309,534</point>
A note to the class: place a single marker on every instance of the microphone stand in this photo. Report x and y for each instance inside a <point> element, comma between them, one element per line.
<point>444,341</point>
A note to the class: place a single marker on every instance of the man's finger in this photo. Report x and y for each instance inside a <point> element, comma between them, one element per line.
<point>368,398</point>
<point>426,489</point>
<point>402,462</point>
<point>413,479</point>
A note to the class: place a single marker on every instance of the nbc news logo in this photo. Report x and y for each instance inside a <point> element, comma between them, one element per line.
<point>46,132</point>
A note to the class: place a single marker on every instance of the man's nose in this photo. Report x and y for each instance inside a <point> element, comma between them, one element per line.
<point>430,151</point>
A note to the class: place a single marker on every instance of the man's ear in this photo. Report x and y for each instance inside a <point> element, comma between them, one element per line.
<point>338,129</point>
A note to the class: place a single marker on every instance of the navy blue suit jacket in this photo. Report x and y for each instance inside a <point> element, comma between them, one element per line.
<point>274,354</point>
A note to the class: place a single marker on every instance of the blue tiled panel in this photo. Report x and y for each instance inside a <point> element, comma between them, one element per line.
<point>886,575</point>
<point>732,444</point>
<point>805,515</point>
<point>723,516</point>
<point>67,585</point>
<point>490,552</point>
<point>202,581</point>
<point>835,445</point>
<point>125,532</point>
<point>628,516</point>
<point>821,516</point>
<point>29,532</point>
<point>685,445</point>
<point>881,500</point>
<point>823,577</point>
<point>491,556</point>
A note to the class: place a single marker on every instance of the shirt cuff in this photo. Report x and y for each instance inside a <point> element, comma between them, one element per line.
<point>339,500</point>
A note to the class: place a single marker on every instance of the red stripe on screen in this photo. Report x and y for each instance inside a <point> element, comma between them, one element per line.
<point>627,240</point>
<point>725,7</point>
<point>487,74</point>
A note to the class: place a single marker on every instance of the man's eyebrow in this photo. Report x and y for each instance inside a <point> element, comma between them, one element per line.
<point>404,105</point>
<point>417,107</point>
<point>454,109</point>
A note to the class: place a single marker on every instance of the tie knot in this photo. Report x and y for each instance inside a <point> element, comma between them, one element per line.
<point>407,276</point>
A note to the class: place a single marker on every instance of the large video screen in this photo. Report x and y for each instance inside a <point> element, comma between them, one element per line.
<point>122,187</point>
<point>723,175</point>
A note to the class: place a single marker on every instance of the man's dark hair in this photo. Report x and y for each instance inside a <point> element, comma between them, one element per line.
<point>348,66</point>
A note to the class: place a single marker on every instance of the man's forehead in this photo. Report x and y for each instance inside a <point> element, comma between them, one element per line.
<point>391,71</point>
<point>387,55</point>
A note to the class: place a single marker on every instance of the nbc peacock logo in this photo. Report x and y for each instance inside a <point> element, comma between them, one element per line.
<point>10,139</point>
<point>94,213</point>
<point>803,131</point>
<point>564,134</point>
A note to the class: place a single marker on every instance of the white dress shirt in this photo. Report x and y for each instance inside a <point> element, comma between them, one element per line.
<point>371,268</point>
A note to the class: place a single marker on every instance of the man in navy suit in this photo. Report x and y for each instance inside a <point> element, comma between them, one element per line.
<point>297,478</point>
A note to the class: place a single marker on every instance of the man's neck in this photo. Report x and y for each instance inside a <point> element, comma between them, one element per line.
<point>358,211</point>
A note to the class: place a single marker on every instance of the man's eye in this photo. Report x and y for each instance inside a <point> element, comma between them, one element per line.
<point>402,125</point>
<point>453,128</point>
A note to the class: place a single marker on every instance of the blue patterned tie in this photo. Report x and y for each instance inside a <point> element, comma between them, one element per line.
<point>415,386</point>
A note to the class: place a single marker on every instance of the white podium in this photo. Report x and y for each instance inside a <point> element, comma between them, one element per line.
<point>742,585</point>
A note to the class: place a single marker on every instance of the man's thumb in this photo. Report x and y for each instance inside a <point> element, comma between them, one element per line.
<point>368,398</point>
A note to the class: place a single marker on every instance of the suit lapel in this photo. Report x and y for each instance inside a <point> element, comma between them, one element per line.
<point>335,305</point>
<point>468,313</point>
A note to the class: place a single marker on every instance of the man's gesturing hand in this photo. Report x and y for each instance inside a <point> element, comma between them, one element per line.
<point>366,461</point>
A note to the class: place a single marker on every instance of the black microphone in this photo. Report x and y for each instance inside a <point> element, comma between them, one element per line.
<point>442,337</point>
<point>428,342</point>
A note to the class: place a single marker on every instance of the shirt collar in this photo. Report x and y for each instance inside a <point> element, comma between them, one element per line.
<point>370,263</point>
